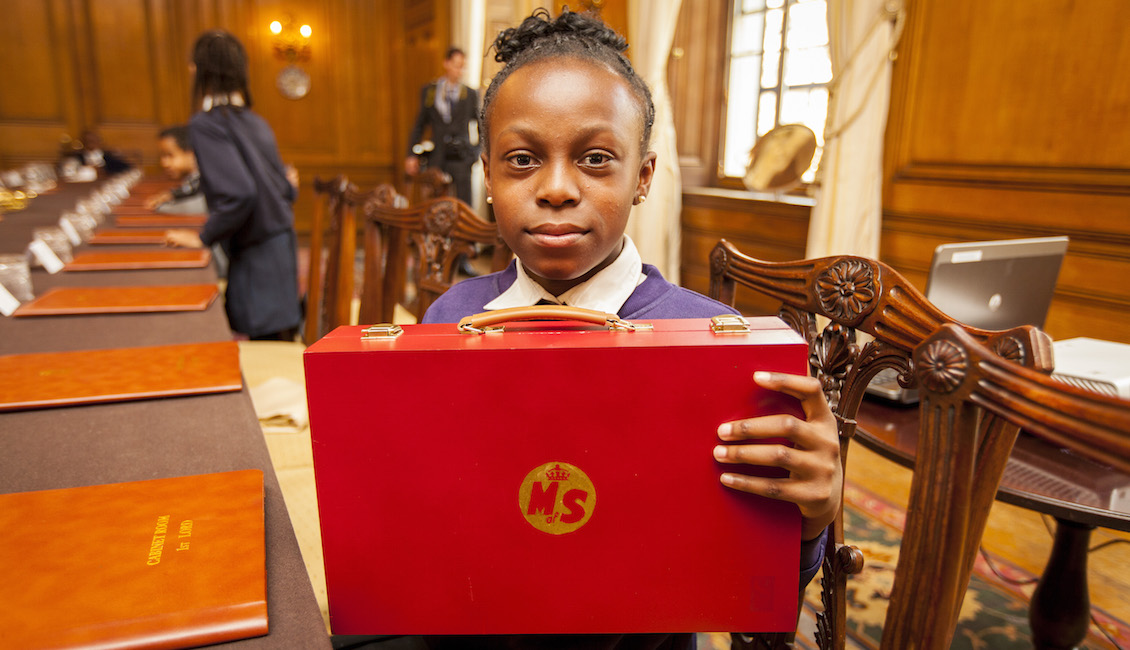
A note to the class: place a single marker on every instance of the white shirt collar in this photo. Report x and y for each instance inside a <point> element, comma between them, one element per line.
<point>211,101</point>
<point>607,291</point>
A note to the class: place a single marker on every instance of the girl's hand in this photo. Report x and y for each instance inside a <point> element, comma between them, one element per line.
<point>158,199</point>
<point>183,239</point>
<point>815,480</point>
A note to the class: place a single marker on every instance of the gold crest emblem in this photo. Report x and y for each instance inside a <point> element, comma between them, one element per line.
<point>557,498</point>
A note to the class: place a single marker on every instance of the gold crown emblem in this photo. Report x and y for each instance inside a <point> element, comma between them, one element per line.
<point>558,473</point>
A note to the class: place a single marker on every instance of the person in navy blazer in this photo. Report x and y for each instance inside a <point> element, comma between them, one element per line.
<point>448,107</point>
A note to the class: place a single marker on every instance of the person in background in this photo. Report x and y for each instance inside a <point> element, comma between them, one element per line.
<point>179,163</point>
<point>448,108</point>
<point>248,192</point>
<point>566,127</point>
<point>92,154</point>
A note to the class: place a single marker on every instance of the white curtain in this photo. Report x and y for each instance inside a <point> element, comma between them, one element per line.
<point>468,32</point>
<point>848,214</point>
<point>655,224</point>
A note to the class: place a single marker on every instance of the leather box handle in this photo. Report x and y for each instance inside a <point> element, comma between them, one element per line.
<point>488,321</point>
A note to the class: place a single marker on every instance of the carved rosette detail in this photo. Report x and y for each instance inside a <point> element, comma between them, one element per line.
<point>718,259</point>
<point>942,367</point>
<point>440,219</point>
<point>1009,347</point>
<point>847,289</point>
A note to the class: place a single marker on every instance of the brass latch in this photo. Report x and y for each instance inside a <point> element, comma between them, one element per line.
<point>382,331</point>
<point>729,324</point>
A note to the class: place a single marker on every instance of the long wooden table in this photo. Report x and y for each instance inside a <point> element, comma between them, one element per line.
<point>146,439</point>
<point>1080,494</point>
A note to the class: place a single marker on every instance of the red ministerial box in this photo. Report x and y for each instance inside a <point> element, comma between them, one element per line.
<point>552,478</point>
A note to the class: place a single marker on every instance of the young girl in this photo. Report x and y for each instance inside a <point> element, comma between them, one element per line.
<point>248,193</point>
<point>566,127</point>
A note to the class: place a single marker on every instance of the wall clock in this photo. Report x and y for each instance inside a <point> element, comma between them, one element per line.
<point>293,82</point>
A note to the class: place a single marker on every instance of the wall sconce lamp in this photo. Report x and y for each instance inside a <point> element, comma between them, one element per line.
<point>291,44</point>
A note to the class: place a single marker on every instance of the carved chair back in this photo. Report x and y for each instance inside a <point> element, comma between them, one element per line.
<point>959,462</point>
<point>329,278</point>
<point>852,295</point>
<point>431,183</point>
<point>430,237</point>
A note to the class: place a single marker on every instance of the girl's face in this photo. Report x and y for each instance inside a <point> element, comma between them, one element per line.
<point>564,167</point>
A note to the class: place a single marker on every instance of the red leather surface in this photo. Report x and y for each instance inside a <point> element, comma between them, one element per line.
<point>159,259</point>
<point>168,563</point>
<point>128,236</point>
<point>155,220</point>
<point>422,443</point>
<point>118,300</point>
<point>91,376</point>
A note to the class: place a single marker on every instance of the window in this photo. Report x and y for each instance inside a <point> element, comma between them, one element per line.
<point>779,74</point>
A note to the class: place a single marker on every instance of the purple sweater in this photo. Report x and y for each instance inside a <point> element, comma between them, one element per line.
<point>654,298</point>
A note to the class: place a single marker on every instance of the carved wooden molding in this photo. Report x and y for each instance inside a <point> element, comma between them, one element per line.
<point>1077,180</point>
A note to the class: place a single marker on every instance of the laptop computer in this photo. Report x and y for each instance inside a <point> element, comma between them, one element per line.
<point>994,285</point>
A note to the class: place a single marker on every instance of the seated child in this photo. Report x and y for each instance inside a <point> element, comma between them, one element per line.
<point>566,127</point>
<point>179,163</point>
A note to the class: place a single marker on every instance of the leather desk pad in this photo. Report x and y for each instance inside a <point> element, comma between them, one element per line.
<point>128,236</point>
<point>153,220</point>
<point>120,300</point>
<point>160,259</point>
<point>51,379</point>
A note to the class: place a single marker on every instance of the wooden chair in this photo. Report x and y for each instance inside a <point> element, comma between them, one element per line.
<point>960,463</point>
<point>429,184</point>
<point>332,234</point>
<point>432,235</point>
<point>853,294</point>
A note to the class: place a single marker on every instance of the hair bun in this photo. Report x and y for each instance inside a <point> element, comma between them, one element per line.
<point>540,27</point>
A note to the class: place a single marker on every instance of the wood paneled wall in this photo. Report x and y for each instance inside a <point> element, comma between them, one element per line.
<point>1010,120</point>
<point>121,66</point>
<point>1006,120</point>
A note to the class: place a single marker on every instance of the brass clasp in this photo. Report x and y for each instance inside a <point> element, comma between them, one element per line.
<point>382,331</point>
<point>729,324</point>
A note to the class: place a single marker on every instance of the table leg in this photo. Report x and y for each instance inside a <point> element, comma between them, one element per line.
<point>1060,611</point>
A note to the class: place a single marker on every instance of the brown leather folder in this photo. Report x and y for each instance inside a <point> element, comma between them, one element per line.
<point>165,563</point>
<point>128,236</point>
<point>120,300</point>
<point>51,379</point>
<point>126,260</point>
<point>153,220</point>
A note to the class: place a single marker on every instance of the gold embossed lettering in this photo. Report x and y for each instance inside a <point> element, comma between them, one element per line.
<point>557,498</point>
<point>157,546</point>
<point>184,531</point>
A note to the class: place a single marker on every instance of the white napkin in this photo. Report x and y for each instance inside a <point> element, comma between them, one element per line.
<point>281,401</point>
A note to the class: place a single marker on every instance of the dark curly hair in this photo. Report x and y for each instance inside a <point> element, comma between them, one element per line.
<point>179,134</point>
<point>576,35</point>
<point>221,66</point>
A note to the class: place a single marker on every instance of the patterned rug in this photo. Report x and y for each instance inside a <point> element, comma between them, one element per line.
<point>994,613</point>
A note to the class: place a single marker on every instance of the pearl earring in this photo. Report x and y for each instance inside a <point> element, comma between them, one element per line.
<point>490,199</point>
<point>640,199</point>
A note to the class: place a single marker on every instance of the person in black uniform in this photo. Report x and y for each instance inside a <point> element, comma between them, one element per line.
<point>248,193</point>
<point>92,154</point>
<point>448,108</point>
